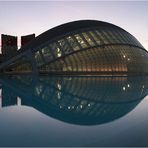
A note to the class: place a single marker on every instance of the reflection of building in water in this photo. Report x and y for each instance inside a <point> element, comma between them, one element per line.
<point>8,97</point>
<point>19,102</point>
<point>81,47</point>
<point>1,58</point>
<point>0,97</point>
<point>80,100</point>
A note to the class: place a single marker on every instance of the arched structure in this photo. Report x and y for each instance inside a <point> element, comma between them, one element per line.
<point>81,47</point>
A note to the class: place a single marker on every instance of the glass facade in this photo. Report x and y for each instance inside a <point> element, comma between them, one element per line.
<point>98,50</point>
<point>107,59</point>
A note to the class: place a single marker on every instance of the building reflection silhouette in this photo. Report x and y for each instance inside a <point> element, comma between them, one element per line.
<point>76,100</point>
<point>8,97</point>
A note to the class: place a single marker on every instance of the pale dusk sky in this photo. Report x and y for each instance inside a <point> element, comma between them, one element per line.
<point>25,17</point>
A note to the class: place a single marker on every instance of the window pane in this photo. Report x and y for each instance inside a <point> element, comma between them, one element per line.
<point>64,46</point>
<point>98,41</point>
<point>73,44</point>
<point>88,39</point>
<point>47,54</point>
<point>102,38</point>
<point>80,41</point>
<point>38,58</point>
<point>55,50</point>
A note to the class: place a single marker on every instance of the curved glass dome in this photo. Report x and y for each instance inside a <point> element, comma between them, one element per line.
<point>82,47</point>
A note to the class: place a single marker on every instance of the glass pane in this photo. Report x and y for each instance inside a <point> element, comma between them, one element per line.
<point>72,43</point>
<point>88,39</point>
<point>47,54</point>
<point>102,38</point>
<point>80,41</point>
<point>98,41</point>
<point>64,46</point>
<point>55,50</point>
<point>38,58</point>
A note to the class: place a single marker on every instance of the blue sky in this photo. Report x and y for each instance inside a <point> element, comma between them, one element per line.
<point>26,17</point>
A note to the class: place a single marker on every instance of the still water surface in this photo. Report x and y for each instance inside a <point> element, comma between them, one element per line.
<point>73,111</point>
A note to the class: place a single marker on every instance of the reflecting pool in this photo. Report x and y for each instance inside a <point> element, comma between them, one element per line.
<point>73,111</point>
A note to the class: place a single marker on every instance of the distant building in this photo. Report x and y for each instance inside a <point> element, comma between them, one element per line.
<point>9,45</point>
<point>26,39</point>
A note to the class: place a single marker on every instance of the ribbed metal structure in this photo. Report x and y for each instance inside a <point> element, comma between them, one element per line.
<point>82,47</point>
